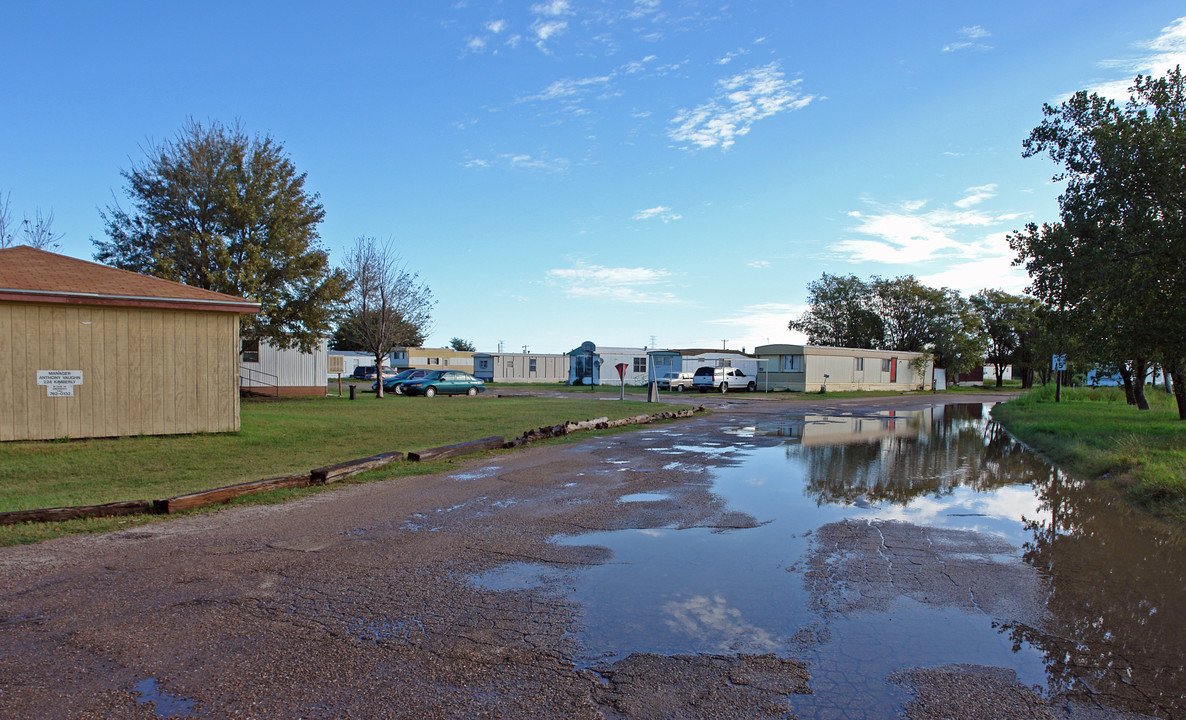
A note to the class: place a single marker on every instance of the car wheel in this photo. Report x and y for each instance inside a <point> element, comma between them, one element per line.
<point>430,391</point>
<point>751,387</point>
<point>724,388</point>
<point>472,391</point>
<point>679,388</point>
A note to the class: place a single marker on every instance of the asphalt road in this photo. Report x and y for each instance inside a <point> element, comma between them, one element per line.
<point>359,603</point>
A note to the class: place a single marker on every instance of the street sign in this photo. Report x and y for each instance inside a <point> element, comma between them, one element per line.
<point>1058,362</point>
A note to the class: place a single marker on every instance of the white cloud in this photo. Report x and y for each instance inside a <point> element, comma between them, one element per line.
<point>970,35</point>
<point>759,264</point>
<point>568,88</point>
<point>553,8</point>
<point>545,29</point>
<point>759,324</point>
<point>520,161</point>
<point>496,26</point>
<point>663,213</point>
<point>977,195</point>
<point>1157,57</point>
<point>910,233</point>
<point>989,265</point>
<point>642,8</point>
<point>476,44</point>
<point>741,100</point>
<point>606,283</point>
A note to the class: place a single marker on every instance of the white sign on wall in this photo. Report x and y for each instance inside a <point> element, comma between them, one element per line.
<point>59,383</point>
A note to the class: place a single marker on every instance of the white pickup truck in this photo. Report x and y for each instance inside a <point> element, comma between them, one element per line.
<point>723,379</point>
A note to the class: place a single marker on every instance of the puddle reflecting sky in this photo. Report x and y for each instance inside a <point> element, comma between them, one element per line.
<point>1113,585</point>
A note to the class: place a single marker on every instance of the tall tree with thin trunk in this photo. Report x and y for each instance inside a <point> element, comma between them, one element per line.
<point>388,305</point>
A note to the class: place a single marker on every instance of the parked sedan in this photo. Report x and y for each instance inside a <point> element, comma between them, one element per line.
<point>395,383</point>
<point>678,381</point>
<point>367,372</point>
<point>444,382</point>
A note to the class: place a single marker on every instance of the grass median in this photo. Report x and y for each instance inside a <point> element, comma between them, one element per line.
<point>276,438</point>
<point>1094,433</point>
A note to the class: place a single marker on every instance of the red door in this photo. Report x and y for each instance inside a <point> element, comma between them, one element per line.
<point>893,369</point>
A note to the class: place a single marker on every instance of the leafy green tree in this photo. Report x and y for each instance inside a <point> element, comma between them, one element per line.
<point>462,345</point>
<point>840,314</point>
<point>1006,319</point>
<point>910,312</point>
<point>958,342</point>
<point>1123,232</point>
<point>217,209</point>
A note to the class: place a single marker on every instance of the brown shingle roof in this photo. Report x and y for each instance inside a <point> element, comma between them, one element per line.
<point>29,275</point>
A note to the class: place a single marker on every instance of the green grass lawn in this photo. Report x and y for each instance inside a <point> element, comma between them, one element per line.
<point>278,437</point>
<point>1093,433</point>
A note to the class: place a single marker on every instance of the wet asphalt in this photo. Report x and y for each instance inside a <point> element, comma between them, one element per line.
<point>362,602</point>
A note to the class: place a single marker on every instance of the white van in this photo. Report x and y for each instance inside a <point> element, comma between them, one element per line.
<point>723,379</point>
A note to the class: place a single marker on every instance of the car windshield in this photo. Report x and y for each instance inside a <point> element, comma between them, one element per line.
<point>435,375</point>
<point>404,374</point>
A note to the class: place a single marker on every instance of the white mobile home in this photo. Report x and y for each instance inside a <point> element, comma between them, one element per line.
<point>265,369</point>
<point>591,365</point>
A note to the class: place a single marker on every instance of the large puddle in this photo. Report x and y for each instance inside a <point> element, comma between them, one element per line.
<point>896,541</point>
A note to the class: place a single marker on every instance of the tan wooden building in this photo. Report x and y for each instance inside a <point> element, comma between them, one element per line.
<point>88,350</point>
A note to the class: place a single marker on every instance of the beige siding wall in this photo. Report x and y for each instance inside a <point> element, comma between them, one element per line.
<point>145,371</point>
<point>840,364</point>
<point>517,368</point>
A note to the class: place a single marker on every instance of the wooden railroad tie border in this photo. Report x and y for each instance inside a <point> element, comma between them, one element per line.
<point>322,475</point>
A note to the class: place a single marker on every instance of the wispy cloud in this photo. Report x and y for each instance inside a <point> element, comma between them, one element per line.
<point>989,264</point>
<point>970,244</point>
<point>758,324</point>
<point>976,195</point>
<point>520,161</point>
<point>740,101</point>
<point>635,285</point>
<point>663,213</point>
<point>970,37</point>
<point>759,264</point>
<point>911,233</point>
<point>567,89</point>
<point>1155,58</point>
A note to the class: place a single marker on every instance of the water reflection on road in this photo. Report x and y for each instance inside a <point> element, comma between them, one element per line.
<point>889,541</point>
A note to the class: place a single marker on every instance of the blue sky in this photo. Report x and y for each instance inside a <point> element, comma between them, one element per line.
<point>570,170</point>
